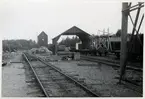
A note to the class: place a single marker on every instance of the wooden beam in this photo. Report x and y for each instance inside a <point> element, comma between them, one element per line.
<point>54,41</point>
<point>123,58</point>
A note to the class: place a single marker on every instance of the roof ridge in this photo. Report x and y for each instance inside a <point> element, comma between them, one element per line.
<point>42,33</point>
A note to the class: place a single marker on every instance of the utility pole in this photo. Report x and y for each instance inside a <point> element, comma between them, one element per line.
<point>123,59</point>
<point>108,31</point>
<point>103,31</point>
<point>107,39</point>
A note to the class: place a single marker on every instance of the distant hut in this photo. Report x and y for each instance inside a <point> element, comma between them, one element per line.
<point>42,39</point>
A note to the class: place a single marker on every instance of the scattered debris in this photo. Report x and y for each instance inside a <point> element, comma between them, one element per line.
<point>86,64</point>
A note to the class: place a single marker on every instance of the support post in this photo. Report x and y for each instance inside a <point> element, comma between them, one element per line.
<point>123,59</point>
<point>55,46</point>
<point>54,41</point>
<point>135,23</point>
<point>140,23</point>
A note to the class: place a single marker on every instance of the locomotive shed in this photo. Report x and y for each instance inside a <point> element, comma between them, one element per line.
<point>86,65</point>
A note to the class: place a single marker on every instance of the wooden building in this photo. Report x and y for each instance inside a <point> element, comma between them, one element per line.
<point>42,39</point>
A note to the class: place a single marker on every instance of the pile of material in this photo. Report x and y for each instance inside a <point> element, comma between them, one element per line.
<point>33,50</point>
<point>69,55</point>
<point>41,50</point>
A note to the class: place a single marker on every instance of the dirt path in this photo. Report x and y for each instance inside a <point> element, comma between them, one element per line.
<point>13,79</point>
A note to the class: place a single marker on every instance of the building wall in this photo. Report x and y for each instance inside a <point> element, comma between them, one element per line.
<point>42,39</point>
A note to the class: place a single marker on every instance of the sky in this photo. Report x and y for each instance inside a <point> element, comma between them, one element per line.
<point>26,19</point>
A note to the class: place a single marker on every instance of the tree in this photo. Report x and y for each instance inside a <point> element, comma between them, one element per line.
<point>11,45</point>
<point>69,42</point>
<point>118,33</point>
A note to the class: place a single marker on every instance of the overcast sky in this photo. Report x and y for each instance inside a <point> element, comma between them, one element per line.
<point>25,19</point>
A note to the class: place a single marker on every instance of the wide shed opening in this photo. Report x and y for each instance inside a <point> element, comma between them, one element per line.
<point>83,36</point>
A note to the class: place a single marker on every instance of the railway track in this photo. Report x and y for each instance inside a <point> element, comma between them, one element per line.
<point>116,64</point>
<point>55,83</point>
<point>108,62</point>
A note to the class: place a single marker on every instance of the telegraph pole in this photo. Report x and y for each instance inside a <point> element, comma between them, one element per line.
<point>123,59</point>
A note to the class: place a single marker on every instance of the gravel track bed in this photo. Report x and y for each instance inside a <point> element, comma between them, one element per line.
<point>55,83</point>
<point>101,78</point>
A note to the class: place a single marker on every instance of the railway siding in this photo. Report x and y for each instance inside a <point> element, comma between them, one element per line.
<point>65,84</point>
<point>109,62</point>
<point>99,78</point>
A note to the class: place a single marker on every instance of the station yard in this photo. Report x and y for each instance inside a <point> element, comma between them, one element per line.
<point>100,78</point>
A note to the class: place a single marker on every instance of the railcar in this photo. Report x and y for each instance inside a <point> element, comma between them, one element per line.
<point>134,46</point>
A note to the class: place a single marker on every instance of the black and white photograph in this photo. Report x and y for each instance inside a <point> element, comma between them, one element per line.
<point>72,48</point>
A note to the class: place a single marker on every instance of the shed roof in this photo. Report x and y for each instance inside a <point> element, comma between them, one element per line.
<point>75,31</point>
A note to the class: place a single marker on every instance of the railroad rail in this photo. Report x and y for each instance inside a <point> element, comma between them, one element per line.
<point>108,62</point>
<point>57,77</point>
<point>39,82</point>
<point>114,63</point>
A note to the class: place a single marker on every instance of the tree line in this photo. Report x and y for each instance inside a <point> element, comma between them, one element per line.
<point>13,45</point>
<point>69,42</point>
